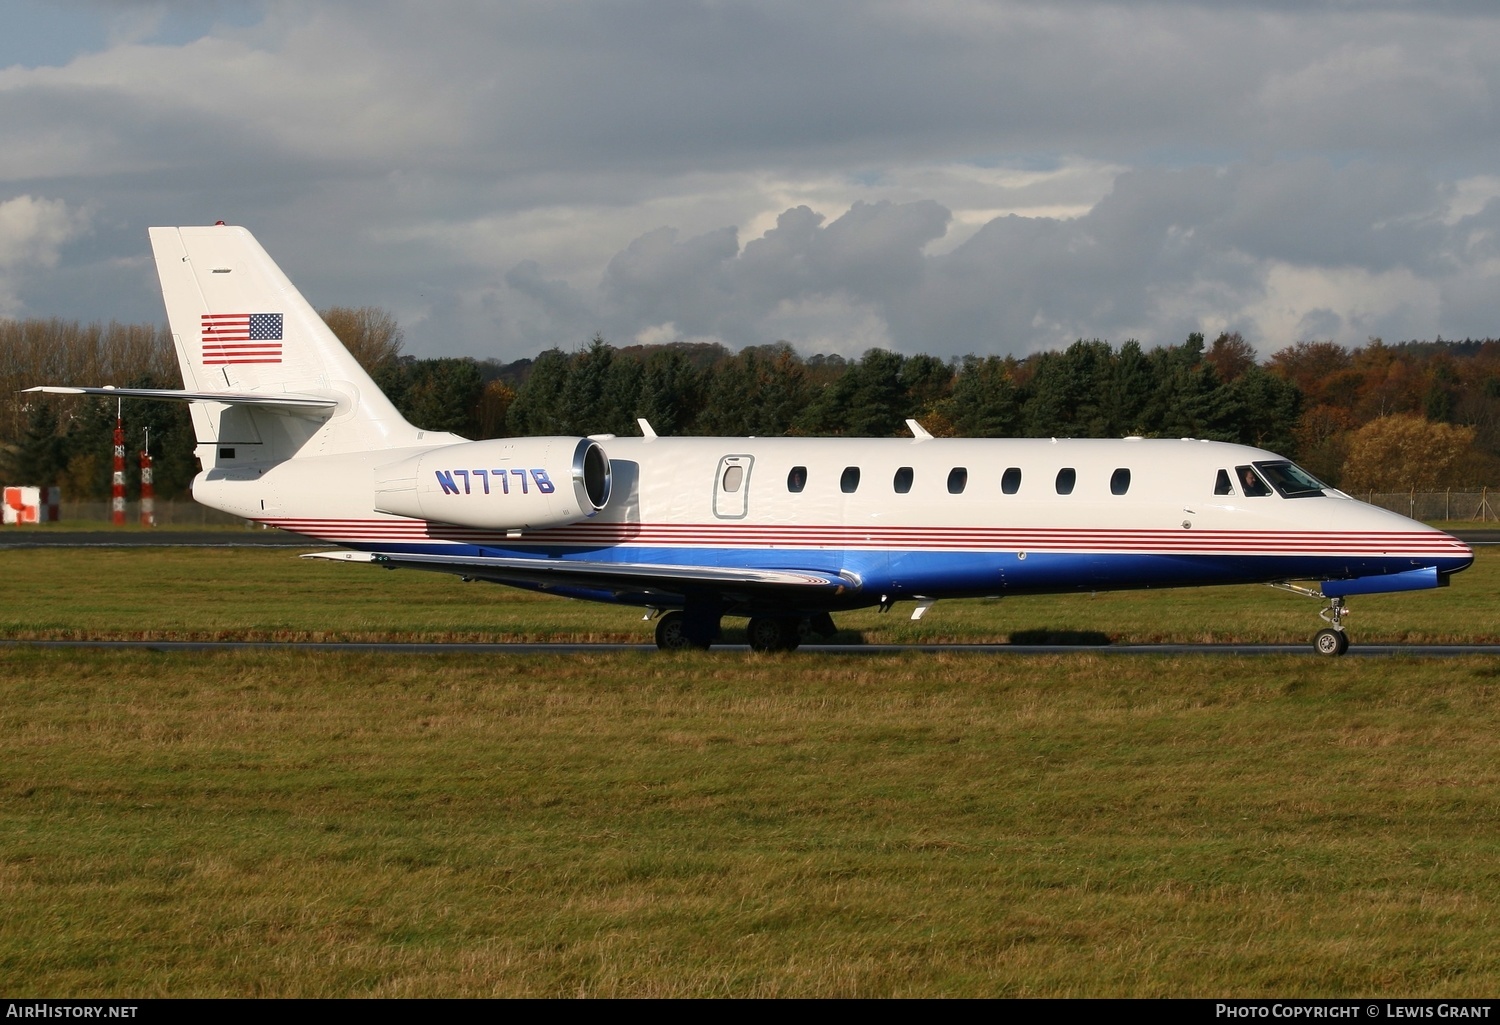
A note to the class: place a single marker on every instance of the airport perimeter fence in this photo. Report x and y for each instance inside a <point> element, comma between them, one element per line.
<point>1419,505</point>
<point>1438,505</point>
<point>175,513</point>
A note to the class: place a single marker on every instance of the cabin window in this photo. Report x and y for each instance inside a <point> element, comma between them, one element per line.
<point>1250,482</point>
<point>1066,478</point>
<point>733,477</point>
<point>1010,482</point>
<point>958,479</point>
<point>849,480</point>
<point>796,480</point>
<point>1222,485</point>
<point>1119,481</point>
<point>1291,480</point>
<point>902,483</point>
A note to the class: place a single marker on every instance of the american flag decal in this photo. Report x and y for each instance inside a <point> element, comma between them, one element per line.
<point>241,338</point>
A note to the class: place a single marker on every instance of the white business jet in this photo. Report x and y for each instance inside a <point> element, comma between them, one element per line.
<point>293,433</point>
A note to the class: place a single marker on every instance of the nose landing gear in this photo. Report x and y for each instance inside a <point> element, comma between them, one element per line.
<point>1332,640</point>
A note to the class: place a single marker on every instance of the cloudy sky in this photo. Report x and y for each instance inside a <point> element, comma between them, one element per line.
<point>943,176</point>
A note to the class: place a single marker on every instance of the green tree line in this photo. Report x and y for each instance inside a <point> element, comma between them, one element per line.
<point>1317,402</point>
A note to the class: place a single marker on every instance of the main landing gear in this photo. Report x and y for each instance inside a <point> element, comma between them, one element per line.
<point>695,628</point>
<point>676,631</point>
<point>774,633</point>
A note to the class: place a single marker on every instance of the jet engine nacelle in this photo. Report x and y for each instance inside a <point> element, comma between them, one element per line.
<point>503,484</point>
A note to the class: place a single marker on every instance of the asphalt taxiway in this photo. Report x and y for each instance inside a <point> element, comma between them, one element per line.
<point>34,537</point>
<point>12,537</point>
<point>1356,650</point>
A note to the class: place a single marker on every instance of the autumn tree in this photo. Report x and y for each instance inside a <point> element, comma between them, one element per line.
<point>494,406</point>
<point>370,333</point>
<point>1322,440</point>
<point>1322,371</point>
<point>1404,452</point>
<point>1230,356</point>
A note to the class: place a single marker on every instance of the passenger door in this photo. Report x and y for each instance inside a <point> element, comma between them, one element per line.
<point>732,487</point>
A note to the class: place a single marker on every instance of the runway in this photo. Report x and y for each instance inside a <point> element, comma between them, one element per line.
<point>820,650</point>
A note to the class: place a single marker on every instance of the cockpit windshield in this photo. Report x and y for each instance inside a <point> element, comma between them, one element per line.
<point>1291,480</point>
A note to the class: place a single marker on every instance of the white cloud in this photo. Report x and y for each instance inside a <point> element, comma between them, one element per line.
<point>1298,301</point>
<point>32,234</point>
<point>32,230</point>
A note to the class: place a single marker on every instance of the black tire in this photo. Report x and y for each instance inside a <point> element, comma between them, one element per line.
<point>773,633</point>
<point>671,634</point>
<point>1330,642</point>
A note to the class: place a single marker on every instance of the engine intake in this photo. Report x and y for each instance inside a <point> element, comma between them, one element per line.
<point>503,484</point>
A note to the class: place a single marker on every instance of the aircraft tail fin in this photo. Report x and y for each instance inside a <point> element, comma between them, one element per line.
<point>240,326</point>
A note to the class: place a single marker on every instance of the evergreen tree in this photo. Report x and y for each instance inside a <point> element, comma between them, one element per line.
<point>1127,395</point>
<point>40,458</point>
<point>1068,389</point>
<point>670,392</point>
<point>538,408</point>
<point>984,402</point>
<point>1190,401</point>
<point>622,395</point>
<point>89,444</point>
<point>1267,410</point>
<point>443,395</point>
<point>868,401</point>
<point>927,382</point>
<point>732,390</point>
<point>585,396</point>
<point>782,391</point>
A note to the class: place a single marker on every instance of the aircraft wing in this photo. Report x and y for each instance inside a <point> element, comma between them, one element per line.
<point>620,578</point>
<point>282,400</point>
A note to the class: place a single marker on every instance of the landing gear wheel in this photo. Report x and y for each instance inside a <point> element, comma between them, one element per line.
<point>774,633</point>
<point>1331,642</point>
<point>671,634</point>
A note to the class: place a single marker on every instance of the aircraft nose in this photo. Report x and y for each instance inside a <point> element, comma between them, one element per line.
<point>1462,556</point>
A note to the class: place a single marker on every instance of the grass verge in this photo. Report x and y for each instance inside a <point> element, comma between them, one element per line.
<point>281,823</point>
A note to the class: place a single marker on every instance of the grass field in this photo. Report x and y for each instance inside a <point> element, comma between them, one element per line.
<point>327,824</point>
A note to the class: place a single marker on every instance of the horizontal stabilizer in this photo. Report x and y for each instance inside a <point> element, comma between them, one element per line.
<point>283,400</point>
<point>1411,580</point>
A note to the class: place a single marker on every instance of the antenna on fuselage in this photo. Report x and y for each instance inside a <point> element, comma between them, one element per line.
<point>918,431</point>
<point>647,431</point>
